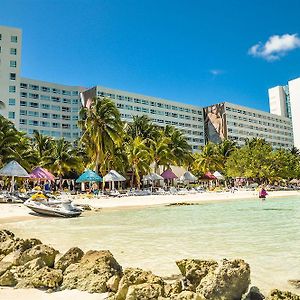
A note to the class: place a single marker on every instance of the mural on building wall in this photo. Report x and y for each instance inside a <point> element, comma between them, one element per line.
<point>215,123</point>
<point>87,97</point>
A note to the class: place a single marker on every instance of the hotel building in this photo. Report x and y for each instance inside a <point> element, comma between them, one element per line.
<point>52,109</point>
<point>285,101</point>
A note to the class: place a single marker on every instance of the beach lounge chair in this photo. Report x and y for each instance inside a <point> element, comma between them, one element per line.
<point>173,190</point>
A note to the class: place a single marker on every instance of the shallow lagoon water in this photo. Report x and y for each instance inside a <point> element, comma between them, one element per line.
<point>264,233</point>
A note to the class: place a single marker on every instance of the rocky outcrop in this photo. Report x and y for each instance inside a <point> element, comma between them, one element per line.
<point>254,294</point>
<point>194,270</point>
<point>24,273</point>
<point>135,276</point>
<point>173,288</point>
<point>282,295</point>
<point>8,279</point>
<point>72,256</point>
<point>92,272</point>
<point>144,291</point>
<point>47,278</point>
<point>186,295</point>
<point>46,253</point>
<point>10,243</point>
<point>230,280</point>
<point>26,263</point>
<point>4,266</point>
<point>295,283</point>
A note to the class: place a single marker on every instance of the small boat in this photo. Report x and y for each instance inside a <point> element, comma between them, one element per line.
<point>51,207</point>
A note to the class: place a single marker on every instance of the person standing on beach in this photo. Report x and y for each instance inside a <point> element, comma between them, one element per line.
<point>262,193</point>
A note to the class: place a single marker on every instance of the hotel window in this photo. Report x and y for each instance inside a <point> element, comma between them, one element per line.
<point>34,87</point>
<point>23,86</point>
<point>23,112</point>
<point>55,116</point>
<point>45,106</point>
<point>33,96</point>
<point>55,91</point>
<point>68,93</point>
<point>55,125</point>
<point>75,101</point>
<point>12,76</point>
<point>23,103</point>
<point>12,88</point>
<point>11,115</point>
<point>66,109</point>
<point>33,123</point>
<point>13,51</point>
<point>67,134</point>
<point>66,126</point>
<point>45,124</point>
<point>66,118</point>
<point>67,101</point>
<point>43,97</point>
<point>0,36</point>
<point>0,49</point>
<point>33,104</point>
<point>45,115</point>
<point>45,89</point>
<point>55,107</point>
<point>55,99</point>
<point>74,93</point>
<point>11,101</point>
<point>14,39</point>
<point>13,64</point>
<point>23,121</point>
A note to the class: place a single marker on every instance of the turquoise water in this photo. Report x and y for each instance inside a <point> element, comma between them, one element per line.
<point>265,234</point>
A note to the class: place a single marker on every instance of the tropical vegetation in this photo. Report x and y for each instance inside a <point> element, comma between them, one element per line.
<point>137,147</point>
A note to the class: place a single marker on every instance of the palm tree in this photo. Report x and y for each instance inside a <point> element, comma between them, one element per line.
<point>41,144</point>
<point>224,150</point>
<point>62,158</point>
<point>207,160</point>
<point>160,151</point>
<point>102,130</point>
<point>295,151</point>
<point>180,150</point>
<point>141,126</point>
<point>138,158</point>
<point>9,141</point>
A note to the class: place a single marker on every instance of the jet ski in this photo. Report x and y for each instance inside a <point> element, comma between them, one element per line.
<point>40,204</point>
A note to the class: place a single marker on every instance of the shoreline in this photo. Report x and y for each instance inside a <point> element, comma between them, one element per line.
<point>16,212</point>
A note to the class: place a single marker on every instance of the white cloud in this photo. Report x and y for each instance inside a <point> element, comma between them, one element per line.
<point>216,72</point>
<point>275,47</point>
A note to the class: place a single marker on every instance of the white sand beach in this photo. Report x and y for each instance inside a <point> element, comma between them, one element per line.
<point>17,212</point>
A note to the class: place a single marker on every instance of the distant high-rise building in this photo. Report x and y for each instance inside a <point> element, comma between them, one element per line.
<point>52,108</point>
<point>285,101</point>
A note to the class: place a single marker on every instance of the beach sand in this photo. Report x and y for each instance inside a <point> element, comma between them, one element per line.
<point>18,212</point>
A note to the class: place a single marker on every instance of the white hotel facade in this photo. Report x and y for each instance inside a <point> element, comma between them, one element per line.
<point>285,101</point>
<point>52,108</point>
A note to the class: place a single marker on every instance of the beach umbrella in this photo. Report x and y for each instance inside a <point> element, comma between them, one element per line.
<point>13,169</point>
<point>168,174</point>
<point>42,174</point>
<point>152,177</point>
<point>89,176</point>
<point>218,175</point>
<point>113,176</point>
<point>209,176</point>
<point>294,181</point>
<point>188,176</point>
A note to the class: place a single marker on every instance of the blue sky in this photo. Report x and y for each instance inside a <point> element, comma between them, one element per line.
<point>198,52</point>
